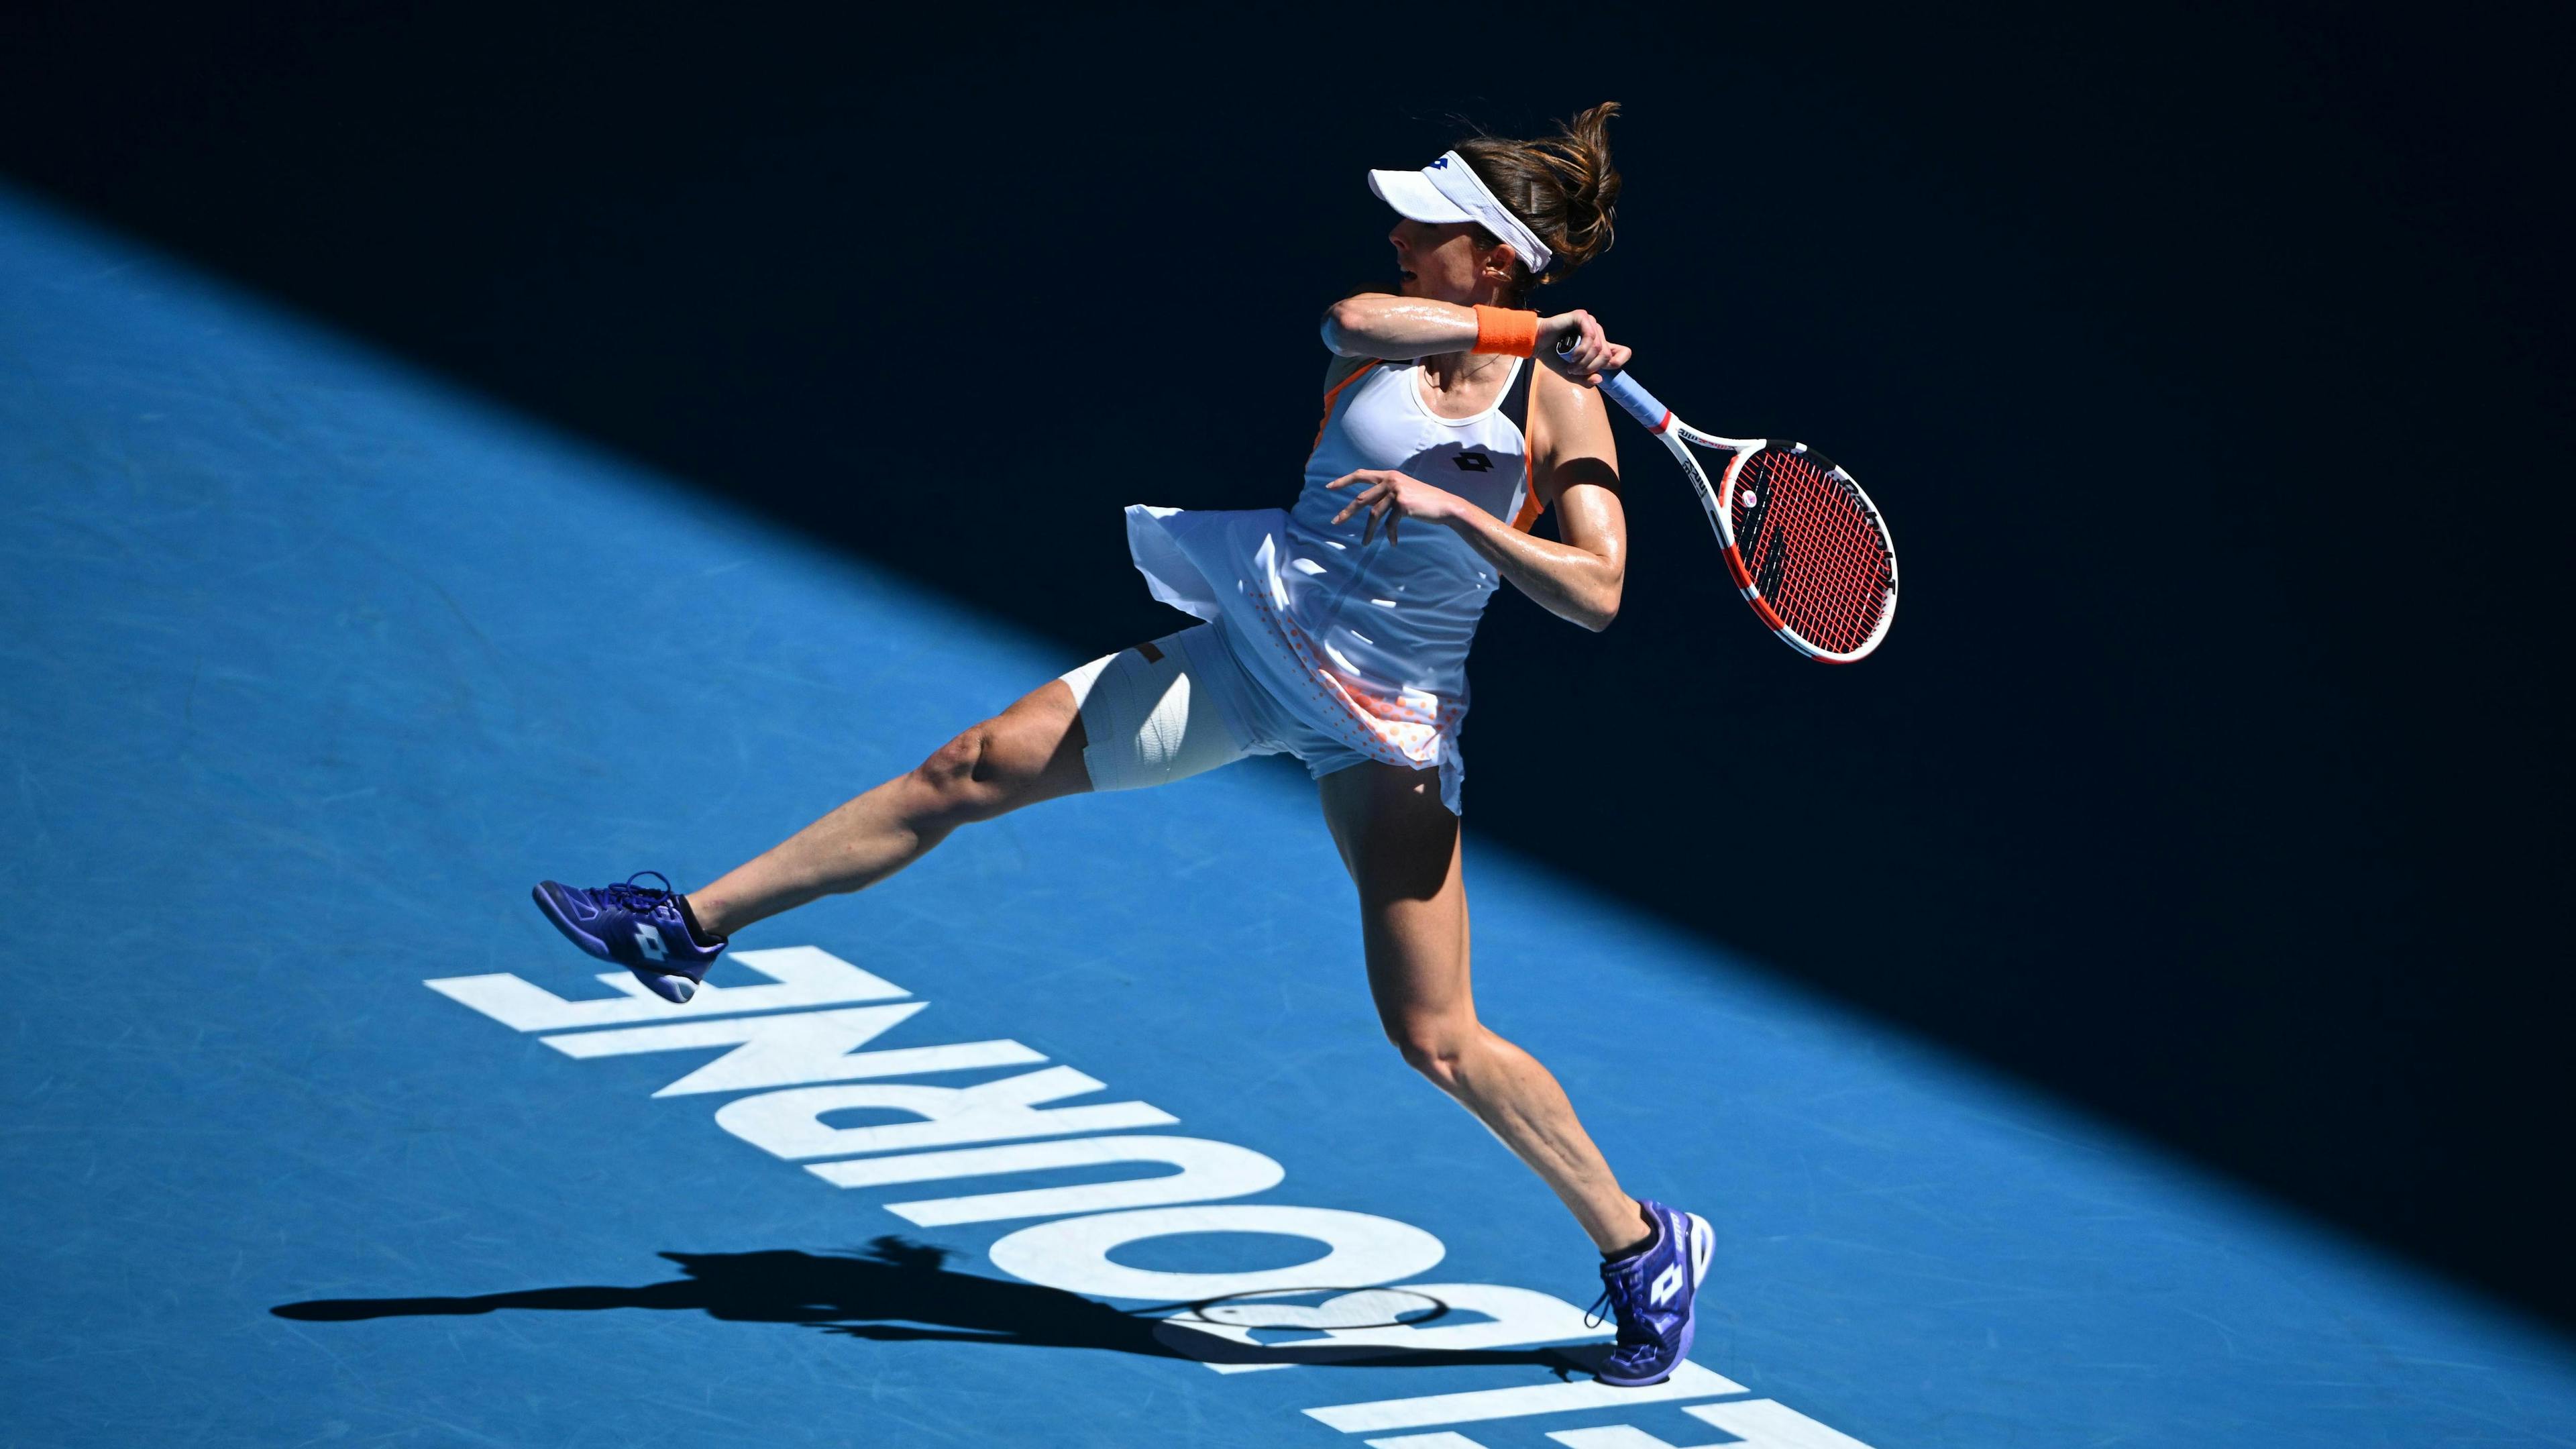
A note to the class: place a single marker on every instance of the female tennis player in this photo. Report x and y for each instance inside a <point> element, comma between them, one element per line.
<point>1335,631</point>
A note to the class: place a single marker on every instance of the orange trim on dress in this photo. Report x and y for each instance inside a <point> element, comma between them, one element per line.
<point>1333,395</point>
<point>1531,505</point>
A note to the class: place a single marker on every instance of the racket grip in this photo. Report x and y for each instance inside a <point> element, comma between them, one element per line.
<point>1640,404</point>
<point>1622,389</point>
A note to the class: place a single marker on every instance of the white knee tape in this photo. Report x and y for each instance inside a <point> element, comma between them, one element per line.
<point>1141,721</point>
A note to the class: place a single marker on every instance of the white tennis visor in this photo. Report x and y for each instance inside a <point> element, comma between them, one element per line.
<point>1449,190</point>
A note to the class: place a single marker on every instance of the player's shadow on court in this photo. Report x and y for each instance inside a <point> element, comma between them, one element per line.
<point>897,1291</point>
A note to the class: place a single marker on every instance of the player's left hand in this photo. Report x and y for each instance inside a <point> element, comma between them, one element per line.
<point>1391,497</point>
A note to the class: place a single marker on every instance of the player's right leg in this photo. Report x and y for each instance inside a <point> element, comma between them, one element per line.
<point>1122,721</point>
<point>1402,847</point>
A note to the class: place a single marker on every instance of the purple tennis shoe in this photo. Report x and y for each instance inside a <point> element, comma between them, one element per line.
<point>645,929</point>
<point>1652,1292</point>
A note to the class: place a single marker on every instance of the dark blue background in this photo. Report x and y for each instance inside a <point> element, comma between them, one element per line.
<point>2208,365</point>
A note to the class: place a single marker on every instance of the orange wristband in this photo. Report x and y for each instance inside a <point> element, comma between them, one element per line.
<point>1500,329</point>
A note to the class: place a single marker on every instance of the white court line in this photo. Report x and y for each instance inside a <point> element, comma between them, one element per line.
<point>1689,1381</point>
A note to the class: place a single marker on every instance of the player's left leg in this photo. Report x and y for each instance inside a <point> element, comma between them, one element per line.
<point>1140,717</point>
<point>1401,846</point>
<point>1029,752</point>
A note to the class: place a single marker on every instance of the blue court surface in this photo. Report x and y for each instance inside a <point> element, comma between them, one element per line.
<point>1080,1133</point>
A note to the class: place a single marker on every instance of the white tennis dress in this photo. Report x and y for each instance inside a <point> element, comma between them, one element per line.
<point>1360,650</point>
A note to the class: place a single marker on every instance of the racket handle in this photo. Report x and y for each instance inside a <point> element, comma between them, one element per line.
<point>1622,389</point>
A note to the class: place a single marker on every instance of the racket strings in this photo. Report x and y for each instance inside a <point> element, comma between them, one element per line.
<point>1814,548</point>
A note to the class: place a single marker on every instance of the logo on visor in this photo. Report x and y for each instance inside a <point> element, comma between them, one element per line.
<point>1475,462</point>
<point>1437,165</point>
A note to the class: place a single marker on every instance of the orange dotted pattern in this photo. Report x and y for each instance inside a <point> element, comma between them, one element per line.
<point>1334,396</point>
<point>1392,730</point>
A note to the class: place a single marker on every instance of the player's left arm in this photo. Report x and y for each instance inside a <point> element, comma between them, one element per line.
<point>1575,468</point>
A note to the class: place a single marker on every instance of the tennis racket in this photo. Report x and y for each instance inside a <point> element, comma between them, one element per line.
<point>1806,547</point>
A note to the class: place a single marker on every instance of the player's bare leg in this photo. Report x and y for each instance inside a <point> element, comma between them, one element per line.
<point>1027,753</point>
<point>1401,846</point>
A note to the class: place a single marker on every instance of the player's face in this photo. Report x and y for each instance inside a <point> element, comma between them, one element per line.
<point>1442,261</point>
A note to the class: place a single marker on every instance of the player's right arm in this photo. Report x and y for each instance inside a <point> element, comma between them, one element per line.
<point>1397,329</point>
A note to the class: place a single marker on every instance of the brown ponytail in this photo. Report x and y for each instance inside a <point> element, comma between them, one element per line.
<point>1562,186</point>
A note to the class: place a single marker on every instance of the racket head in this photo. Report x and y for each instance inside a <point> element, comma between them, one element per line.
<point>1805,545</point>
